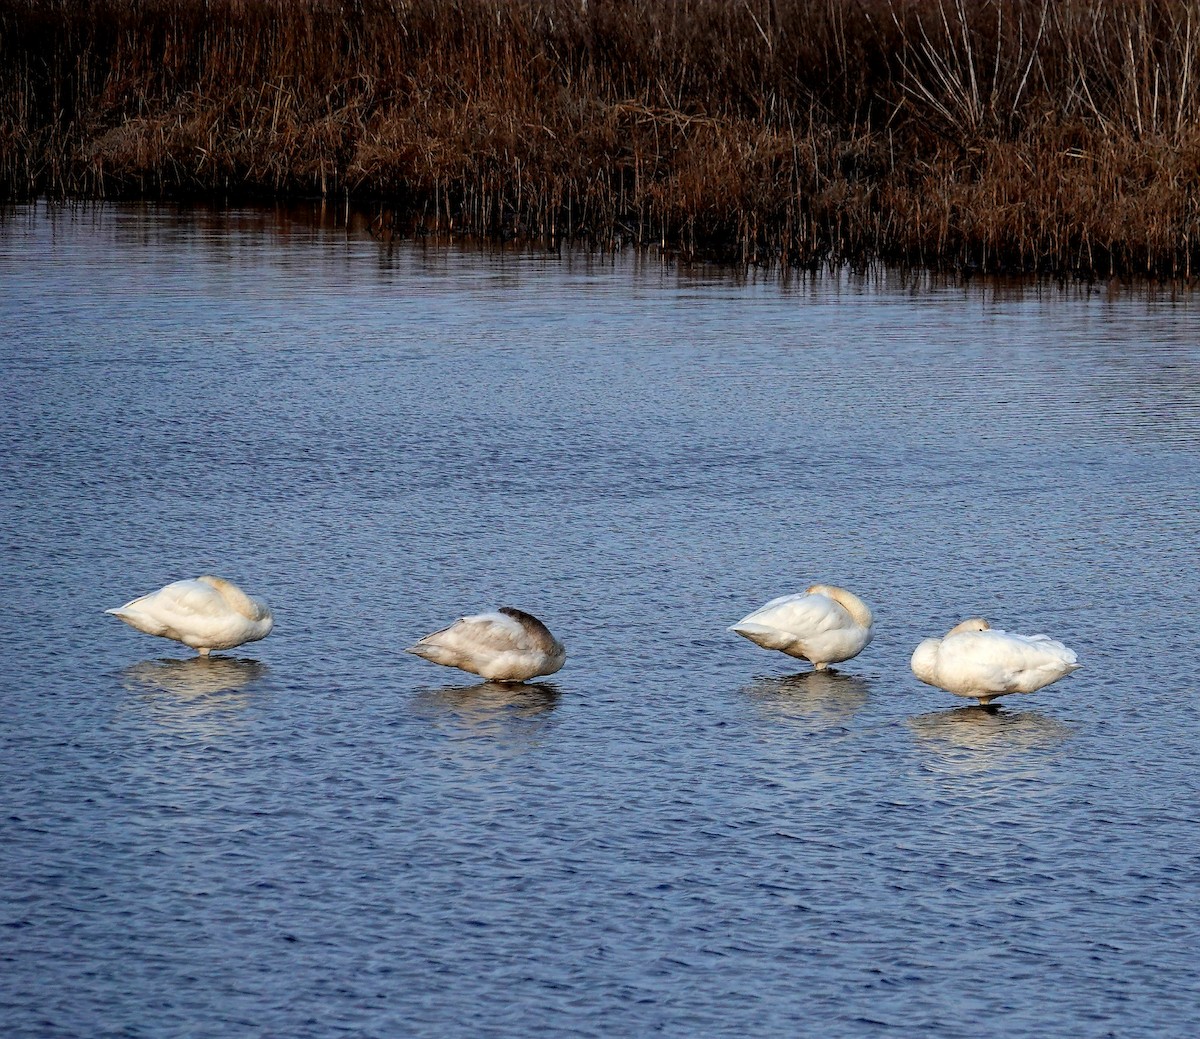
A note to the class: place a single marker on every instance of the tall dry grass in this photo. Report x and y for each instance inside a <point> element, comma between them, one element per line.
<point>1012,135</point>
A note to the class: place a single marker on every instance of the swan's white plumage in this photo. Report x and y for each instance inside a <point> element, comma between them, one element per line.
<point>508,645</point>
<point>978,661</point>
<point>205,613</point>
<point>824,625</point>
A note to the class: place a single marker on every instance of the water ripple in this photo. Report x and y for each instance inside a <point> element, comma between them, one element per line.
<point>680,835</point>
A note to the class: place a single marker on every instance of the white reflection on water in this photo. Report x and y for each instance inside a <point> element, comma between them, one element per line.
<point>201,694</point>
<point>502,711</point>
<point>979,739</point>
<point>815,700</point>
<point>193,676</point>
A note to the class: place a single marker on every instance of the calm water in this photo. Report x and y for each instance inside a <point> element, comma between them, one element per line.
<point>679,834</point>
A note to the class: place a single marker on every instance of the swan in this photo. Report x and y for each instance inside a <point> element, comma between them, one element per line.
<point>508,645</point>
<point>206,613</point>
<point>975,659</point>
<point>824,625</point>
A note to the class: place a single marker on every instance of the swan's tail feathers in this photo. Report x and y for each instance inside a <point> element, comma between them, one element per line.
<point>428,651</point>
<point>144,622</point>
<point>763,635</point>
<point>1070,660</point>
<point>750,629</point>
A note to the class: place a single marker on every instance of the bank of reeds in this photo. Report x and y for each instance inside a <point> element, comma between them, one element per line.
<point>1010,135</point>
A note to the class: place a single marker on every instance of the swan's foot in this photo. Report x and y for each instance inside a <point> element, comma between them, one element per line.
<point>820,667</point>
<point>203,651</point>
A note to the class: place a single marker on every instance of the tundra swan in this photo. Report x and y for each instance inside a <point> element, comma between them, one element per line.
<point>824,625</point>
<point>206,613</point>
<point>505,646</point>
<point>974,659</point>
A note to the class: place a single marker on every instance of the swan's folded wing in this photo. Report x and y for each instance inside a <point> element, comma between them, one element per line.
<point>999,660</point>
<point>182,599</point>
<point>484,632</point>
<point>1055,649</point>
<point>1026,652</point>
<point>180,610</point>
<point>802,615</point>
<point>187,599</point>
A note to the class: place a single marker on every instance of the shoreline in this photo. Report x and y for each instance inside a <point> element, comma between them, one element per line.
<point>1012,139</point>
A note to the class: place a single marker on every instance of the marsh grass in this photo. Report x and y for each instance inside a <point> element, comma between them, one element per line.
<point>1013,135</point>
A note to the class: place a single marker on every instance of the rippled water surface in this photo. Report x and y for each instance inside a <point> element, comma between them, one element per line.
<point>678,834</point>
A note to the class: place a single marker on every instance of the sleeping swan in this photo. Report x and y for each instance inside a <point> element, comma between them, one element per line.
<point>206,613</point>
<point>975,660</point>
<point>824,625</point>
<point>506,646</point>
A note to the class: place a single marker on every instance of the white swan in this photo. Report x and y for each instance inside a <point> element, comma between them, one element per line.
<point>206,613</point>
<point>973,659</point>
<point>506,646</point>
<point>824,625</point>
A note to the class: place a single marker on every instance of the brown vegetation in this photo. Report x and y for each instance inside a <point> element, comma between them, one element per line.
<point>1021,135</point>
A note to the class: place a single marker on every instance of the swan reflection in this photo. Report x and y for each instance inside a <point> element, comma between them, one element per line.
<point>978,738</point>
<point>196,693</point>
<point>496,709</point>
<point>815,699</point>
<point>193,676</point>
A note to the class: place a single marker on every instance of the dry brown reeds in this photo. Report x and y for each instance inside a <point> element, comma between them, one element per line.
<point>1010,135</point>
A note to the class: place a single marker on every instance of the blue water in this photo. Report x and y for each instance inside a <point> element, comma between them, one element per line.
<point>678,834</point>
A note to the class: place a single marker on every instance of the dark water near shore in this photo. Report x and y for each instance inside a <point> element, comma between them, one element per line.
<point>678,834</point>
